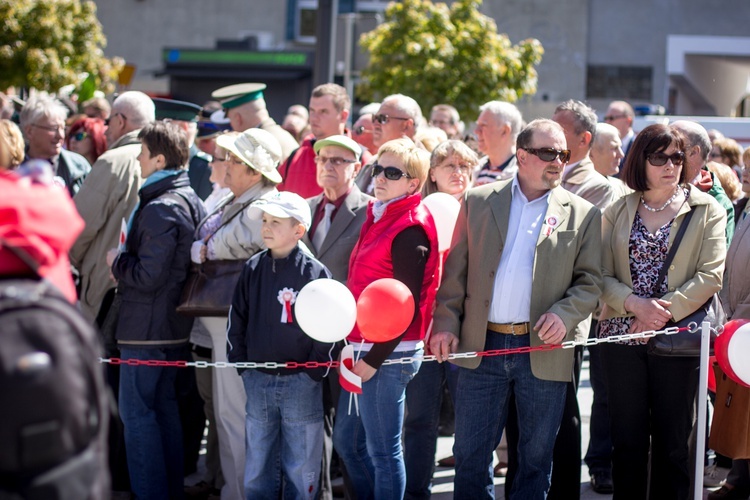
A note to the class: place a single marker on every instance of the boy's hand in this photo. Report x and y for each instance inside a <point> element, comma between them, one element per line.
<point>363,370</point>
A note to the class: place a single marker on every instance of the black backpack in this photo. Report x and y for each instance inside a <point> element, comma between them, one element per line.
<point>54,407</point>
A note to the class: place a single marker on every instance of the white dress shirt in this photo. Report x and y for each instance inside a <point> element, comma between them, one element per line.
<point>511,295</point>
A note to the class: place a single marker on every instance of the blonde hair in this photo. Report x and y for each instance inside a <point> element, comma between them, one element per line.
<point>416,160</point>
<point>430,137</point>
<point>728,179</point>
<point>11,145</point>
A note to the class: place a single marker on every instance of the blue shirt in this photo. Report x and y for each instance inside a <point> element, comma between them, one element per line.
<point>511,295</point>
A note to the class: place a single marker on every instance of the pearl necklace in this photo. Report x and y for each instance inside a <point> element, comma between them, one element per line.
<point>668,202</point>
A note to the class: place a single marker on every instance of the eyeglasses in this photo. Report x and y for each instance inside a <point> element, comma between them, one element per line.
<point>390,173</point>
<point>550,154</point>
<point>124,118</point>
<point>462,168</point>
<point>437,123</point>
<point>611,118</point>
<point>660,159</point>
<point>383,119</point>
<point>79,136</point>
<point>361,130</point>
<point>336,161</point>
<point>49,128</point>
<point>714,155</point>
<point>217,158</point>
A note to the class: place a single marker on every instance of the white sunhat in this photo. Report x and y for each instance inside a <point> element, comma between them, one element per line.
<point>256,148</point>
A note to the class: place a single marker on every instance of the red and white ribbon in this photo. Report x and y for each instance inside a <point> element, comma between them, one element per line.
<point>347,378</point>
<point>286,297</point>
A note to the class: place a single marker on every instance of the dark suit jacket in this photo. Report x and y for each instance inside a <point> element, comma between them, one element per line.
<point>199,172</point>
<point>73,168</point>
<point>567,274</point>
<point>343,234</point>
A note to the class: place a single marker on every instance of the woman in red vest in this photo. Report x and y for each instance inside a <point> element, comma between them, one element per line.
<point>398,240</point>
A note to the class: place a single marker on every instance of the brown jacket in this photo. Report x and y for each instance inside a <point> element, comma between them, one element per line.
<point>566,275</point>
<point>735,295</point>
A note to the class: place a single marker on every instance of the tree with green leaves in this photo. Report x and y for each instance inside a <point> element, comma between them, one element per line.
<point>46,44</point>
<point>440,54</point>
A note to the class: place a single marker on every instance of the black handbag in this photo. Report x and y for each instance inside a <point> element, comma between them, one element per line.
<point>209,287</point>
<point>687,343</point>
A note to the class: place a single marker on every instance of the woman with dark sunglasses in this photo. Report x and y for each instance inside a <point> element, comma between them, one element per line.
<point>398,240</point>
<point>651,397</point>
<point>86,137</point>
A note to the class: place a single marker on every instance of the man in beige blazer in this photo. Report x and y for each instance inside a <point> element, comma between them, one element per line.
<point>523,270</point>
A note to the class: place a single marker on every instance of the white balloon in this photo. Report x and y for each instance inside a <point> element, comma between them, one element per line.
<point>738,353</point>
<point>326,310</point>
<point>444,209</point>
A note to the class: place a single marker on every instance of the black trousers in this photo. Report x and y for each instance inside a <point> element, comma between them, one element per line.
<point>651,405</point>
<point>566,457</point>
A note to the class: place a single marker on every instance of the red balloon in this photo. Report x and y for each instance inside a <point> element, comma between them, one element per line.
<point>721,348</point>
<point>384,310</point>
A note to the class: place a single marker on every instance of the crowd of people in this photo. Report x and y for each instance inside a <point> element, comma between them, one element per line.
<point>564,227</point>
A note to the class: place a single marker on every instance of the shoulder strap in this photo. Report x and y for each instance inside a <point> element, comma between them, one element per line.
<point>238,212</point>
<point>673,249</point>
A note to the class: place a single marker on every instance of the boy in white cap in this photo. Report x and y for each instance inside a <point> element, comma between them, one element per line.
<point>284,423</point>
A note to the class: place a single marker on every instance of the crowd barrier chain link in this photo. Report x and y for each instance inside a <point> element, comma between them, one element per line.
<point>272,365</point>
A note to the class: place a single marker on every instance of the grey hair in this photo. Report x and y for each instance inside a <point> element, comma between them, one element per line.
<point>42,106</point>
<point>136,106</point>
<point>407,105</point>
<point>507,113</point>
<point>455,118</point>
<point>696,135</point>
<point>584,116</point>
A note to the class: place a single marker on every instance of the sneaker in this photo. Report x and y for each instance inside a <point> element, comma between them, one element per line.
<point>714,476</point>
<point>728,492</point>
<point>601,482</point>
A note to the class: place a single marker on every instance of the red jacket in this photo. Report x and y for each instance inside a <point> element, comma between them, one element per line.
<point>42,221</point>
<point>299,171</point>
<point>371,258</point>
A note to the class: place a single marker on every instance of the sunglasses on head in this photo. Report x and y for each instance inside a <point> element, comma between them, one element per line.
<point>660,159</point>
<point>550,154</point>
<point>390,173</point>
<point>383,119</point>
<point>79,136</point>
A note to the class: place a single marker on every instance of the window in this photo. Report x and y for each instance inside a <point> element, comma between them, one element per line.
<point>619,82</point>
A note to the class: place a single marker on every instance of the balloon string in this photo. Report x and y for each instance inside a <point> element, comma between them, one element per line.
<point>330,358</point>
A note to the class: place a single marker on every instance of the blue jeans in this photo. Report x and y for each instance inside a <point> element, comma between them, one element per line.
<point>370,444</point>
<point>283,434</point>
<point>481,412</point>
<point>424,396</point>
<point>153,434</point>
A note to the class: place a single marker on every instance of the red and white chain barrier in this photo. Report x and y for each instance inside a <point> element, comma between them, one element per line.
<point>272,365</point>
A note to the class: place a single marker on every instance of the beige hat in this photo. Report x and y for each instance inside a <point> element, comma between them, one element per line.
<point>257,148</point>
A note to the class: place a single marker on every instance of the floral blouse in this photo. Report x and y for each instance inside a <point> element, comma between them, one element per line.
<point>647,254</point>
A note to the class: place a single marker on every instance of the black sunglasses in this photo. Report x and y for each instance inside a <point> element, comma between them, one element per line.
<point>383,119</point>
<point>106,122</point>
<point>550,154</point>
<point>660,159</point>
<point>390,173</point>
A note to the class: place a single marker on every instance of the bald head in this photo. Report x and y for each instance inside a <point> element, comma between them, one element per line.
<point>697,146</point>
<point>606,150</point>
